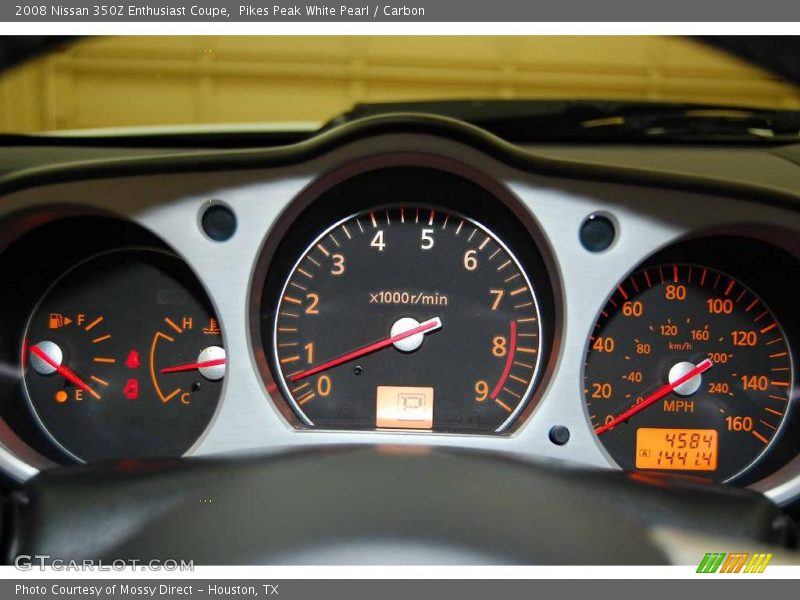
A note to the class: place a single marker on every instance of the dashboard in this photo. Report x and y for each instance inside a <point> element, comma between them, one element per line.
<point>406,281</point>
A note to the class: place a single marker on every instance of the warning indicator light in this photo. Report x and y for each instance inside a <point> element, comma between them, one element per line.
<point>131,389</point>
<point>133,362</point>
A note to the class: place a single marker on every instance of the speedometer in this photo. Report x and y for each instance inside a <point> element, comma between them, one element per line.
<point>687,370</point>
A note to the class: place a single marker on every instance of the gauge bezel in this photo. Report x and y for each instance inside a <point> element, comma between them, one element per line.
<point>546,293</point>
<point>50,438</point>
<point>275,359</point>
<point>724,253</point>
<point>79,232</point>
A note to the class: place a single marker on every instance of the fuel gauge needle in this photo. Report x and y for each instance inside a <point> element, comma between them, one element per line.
<point>64,372</point>
<point>701,367</point>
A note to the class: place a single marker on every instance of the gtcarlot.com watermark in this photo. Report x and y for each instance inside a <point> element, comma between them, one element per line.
<point>42,562</point>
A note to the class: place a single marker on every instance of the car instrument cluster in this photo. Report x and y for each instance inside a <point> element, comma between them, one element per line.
<point>430,296</point>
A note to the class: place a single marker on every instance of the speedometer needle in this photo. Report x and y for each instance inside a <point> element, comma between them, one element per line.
<point>424,327</point>
<point>701,367</point>
<point>64,372</point>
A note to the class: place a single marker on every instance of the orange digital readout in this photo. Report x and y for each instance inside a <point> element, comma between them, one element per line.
<point>681,449</point>
<point>404,406</point>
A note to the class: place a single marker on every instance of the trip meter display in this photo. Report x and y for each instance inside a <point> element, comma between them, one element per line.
<point>681,449</point>
<point>687,370</point>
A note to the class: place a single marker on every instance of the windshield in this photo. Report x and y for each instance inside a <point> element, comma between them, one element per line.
<point>303,82</point>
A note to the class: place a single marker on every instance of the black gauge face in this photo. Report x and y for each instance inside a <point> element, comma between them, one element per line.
<point>406,317</point>
<point>687,370</point>
<point>123,357</point>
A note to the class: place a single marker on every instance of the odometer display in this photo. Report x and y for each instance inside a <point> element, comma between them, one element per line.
<point>407,317</point>
<point>679,449</point>
<point>679,350</point>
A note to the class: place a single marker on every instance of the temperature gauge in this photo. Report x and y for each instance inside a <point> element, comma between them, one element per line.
<point>100,382</point>
<point>186,360</point>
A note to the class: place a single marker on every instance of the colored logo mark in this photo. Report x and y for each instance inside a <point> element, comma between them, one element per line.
<point>733,562</point>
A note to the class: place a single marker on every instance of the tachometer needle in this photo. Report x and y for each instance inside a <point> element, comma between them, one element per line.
<point>193,366</point>
<point>424,327</point>
<point>701,367</point>
<point>64,372</point>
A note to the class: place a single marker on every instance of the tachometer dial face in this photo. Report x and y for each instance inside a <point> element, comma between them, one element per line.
<point>687,370</point>
<point>123,357</point>
<point>407,317</point>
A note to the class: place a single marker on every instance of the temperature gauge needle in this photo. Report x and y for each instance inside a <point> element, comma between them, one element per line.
<point>64,372</point>
<point>194,366</point>
<point>701,367</point>
<point>425,327</point>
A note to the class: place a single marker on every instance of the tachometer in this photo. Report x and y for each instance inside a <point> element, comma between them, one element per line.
<point>687,370</point>
<point>407,317</point>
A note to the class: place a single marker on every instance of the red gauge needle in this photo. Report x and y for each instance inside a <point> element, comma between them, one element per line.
<point>701,367</point>
<point>65,372</point>
<point>424,327</point>
<point>194,366</point>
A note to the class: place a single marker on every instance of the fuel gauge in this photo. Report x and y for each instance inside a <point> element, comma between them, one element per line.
<point>123,357</point>
<point>73,346</point>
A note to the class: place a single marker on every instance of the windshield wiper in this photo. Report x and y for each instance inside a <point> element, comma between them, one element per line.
<point>605,121</point>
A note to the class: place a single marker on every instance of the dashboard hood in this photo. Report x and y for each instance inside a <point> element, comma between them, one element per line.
<point>381,505</point>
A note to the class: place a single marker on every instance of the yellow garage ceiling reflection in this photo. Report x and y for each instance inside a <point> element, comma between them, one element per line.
<point>182,80</point>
